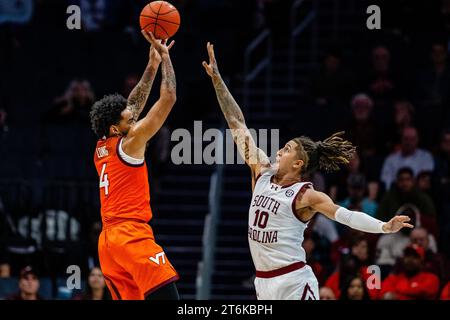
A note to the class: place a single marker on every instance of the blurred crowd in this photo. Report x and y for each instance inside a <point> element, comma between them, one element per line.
<point>391,96</point>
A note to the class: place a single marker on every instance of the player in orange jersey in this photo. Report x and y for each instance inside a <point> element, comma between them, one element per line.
<point>134,265</point>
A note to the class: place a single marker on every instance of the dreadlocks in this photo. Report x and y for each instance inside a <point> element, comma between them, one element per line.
<point>324,155</point>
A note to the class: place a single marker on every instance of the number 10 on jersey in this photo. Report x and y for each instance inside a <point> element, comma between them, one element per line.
<point>261,218</point>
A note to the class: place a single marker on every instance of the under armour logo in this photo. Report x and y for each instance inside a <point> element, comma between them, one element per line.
<point>158,258</point>
<point>274,187</point>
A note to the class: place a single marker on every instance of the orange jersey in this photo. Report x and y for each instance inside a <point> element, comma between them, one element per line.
<point>124,188</point>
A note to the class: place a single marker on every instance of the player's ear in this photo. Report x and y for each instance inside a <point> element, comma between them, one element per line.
<point>114,131</point>
<point>298,164</point>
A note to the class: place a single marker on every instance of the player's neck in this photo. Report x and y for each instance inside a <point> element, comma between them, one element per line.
<point>287,178</point>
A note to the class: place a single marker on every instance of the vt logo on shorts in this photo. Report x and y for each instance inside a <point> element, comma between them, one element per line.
<point>158,258</point>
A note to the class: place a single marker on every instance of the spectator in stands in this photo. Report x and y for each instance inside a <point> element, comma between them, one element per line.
<point>409,155</point>
<point>445,294</point>
<point>433,82</point>
<point>74,106</point>
<point>441,181</point>
<point>3,123</point>
<point>442,170</point>
<point>319,271</point>
<point>404,113</point>
<point>356,243</point>
<point>412,283</point>
<point>355,289</point>
<point>434,262</point>
<point>390,246</point>
<point>326,293</point>
<point>348,266</point>
<point>5,268</point>
<point>359,247</point>
<point>423,182</point>
<point>28,285</point>
<point>432,92</point>
<point>96,287</point>
<point>405,192</point>
<point>351,265</point>
<point>333,84</point>
<point>92,246</point>
<point>381,83</point>
<point>356,199</point>
<point>362,130</point>
<point>339,181</point>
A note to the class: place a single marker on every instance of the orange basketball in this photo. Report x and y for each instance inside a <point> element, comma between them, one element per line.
<point>161,18</point>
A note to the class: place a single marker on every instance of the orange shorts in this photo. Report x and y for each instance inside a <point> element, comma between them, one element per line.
<point>132,263</point>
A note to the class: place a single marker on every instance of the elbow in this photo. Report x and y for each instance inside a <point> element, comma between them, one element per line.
<point>169,97</point>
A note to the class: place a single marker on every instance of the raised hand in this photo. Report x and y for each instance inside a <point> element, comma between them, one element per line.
<point>397,223</point>
<point>154,56</point>
<point>159,45</point>
<point>211,69</point>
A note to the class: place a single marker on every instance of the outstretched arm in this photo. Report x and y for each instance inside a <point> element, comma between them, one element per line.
<point>253,156</point>
<point>144,129</point>
<point>320,202</point>
<point>139,95</point>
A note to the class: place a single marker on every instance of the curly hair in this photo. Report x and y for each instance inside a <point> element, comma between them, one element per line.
<point>107,112</point>
<point>324,155</point>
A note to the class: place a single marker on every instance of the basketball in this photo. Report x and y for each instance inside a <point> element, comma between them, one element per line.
<point>161,18</point>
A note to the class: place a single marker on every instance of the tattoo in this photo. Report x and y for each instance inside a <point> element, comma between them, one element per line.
<point>138,97</point>
<point>168,81</point>
<point>229,106</point>
<point>235,119</point>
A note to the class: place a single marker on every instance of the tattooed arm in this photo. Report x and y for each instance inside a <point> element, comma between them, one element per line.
<point>253,156</point>
<point>136,140</point>
<point>139,95</point>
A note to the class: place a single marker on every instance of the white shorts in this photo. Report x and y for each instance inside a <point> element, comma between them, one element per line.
<point>300,284</point>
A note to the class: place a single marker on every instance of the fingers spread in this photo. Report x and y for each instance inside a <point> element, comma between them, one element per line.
<point>408,225</point>
<point>171,44</point>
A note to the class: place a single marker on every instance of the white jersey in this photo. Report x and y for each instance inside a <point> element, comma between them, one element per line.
<point>275,233</point>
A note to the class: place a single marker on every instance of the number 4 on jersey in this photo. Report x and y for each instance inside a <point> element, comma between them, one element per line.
<point>104,183</point>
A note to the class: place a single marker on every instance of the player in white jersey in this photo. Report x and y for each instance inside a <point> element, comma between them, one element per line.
<point>282,205</point>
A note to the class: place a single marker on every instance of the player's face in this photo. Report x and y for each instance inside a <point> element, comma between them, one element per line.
<point>287,157</point>
<point>125,123</point>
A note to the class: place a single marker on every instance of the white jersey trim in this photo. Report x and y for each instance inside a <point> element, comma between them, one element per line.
<point>127,158</point>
